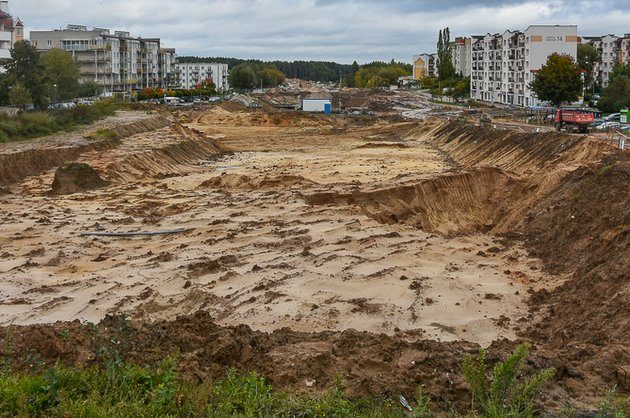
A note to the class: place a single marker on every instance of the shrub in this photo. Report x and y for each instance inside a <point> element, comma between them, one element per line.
<point>504,394</point>
<point>34,124</point>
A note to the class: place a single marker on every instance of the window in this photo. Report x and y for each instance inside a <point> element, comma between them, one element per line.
<point>49,42</point>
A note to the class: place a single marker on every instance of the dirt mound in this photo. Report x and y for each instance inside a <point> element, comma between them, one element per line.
<point>15,166</point>
<point>233,106</point>
<point>519,152</point>
<point>584,228</point>
<point>75,178</point>
<point>449,204</point>
<point>243,182</point>
<point>163,162</point>
<point>370,365</point>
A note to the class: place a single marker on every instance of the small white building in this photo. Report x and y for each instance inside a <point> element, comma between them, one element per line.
<point>317,103</point>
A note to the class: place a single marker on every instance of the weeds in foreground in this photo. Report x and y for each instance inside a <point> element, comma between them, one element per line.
<point>504,394</point>
<point>120,389</point>
<point>614,406</point>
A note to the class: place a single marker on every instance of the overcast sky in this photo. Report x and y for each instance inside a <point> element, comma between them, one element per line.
<point>339,30</point>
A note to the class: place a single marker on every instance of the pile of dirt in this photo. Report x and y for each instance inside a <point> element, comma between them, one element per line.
<point>583,228</point>
<point>519,152</point>
<point>76,178</point>
<point>370,365</point>
<point>459,203</point>
<point>15,166</point>
<point>229,181</point>
<point>164,162</point>
<point>232,106</point>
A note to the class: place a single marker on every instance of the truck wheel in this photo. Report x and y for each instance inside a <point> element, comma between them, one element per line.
<point>558,127</point>
<point>583,129</point>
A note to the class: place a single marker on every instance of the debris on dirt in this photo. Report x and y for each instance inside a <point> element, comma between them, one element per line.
<point>76,178</point>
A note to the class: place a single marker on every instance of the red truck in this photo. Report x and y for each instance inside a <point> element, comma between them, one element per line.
<point>574,119</point>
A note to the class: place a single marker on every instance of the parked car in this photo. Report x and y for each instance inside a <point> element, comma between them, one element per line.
<point>597,122</point>
<point>609,125</point>
<point>613,117</point>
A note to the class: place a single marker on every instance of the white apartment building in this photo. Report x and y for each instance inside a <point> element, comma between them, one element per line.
<point>192,74</point>
<point>118,61</point>
<point>11,30</point>
<point>614,50</point>
<point>462,53</point>
<point>503,65</point>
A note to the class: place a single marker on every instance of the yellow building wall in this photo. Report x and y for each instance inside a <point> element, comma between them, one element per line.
<point>419,69</point>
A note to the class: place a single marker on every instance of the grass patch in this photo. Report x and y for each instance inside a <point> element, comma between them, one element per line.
<point>605,170</point>
<point>103,134</point>
<point>123,390</point>
<point>35,124</point>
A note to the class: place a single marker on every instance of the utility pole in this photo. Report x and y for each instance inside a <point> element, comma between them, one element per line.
<point>340,78</point>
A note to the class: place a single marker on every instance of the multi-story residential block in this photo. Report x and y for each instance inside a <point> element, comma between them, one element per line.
<point>118,61</point>
<point>168,68</point>
<point>192,74</point>
<point>461,51</point>
<point>11,30</point>
<point>424,65</point>
<point>503,65</point>
<point>614,50</point>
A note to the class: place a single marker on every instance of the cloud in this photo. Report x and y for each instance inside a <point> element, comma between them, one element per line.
<point>341,30</point>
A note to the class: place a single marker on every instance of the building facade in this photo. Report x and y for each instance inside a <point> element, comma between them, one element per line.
<point>116,61</point>
<point>461,56</point>
<point>614,50</point>
<point>11,30</point>
<point>503,65</point>
<point>424,65</point>
<point>193,74</point>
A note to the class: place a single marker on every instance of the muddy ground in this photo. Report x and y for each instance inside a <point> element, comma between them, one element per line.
<point>308,246</point>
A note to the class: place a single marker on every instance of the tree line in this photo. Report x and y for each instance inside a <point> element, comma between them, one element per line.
<point>324,71</point>
<point>249,74</point>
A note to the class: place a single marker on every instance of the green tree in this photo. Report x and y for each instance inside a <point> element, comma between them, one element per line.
<point>243,77</point>
<point>445,66</point>
<point>272,77</point>
<point>559,80</point>
<point>20,96</point>
<point>379,74</point>
<point>61,71</point>
<point>89,89</point>
<point>587,57</point>
<point>616,96</point>
<point>25,67</point>
<point>619,70</point>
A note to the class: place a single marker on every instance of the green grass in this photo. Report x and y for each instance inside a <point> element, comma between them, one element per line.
<point>36,124</point>
<point>124,390</point>
<point>121,389</point>
<point>103,134</point>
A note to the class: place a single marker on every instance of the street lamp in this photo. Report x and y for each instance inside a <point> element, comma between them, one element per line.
<point>55,95</point>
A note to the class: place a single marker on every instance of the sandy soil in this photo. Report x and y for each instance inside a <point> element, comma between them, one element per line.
<point>256,252</point>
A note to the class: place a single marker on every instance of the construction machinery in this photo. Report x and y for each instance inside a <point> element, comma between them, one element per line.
<point>574,119</point>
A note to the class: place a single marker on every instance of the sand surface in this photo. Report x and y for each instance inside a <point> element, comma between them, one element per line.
<point>256,252</point>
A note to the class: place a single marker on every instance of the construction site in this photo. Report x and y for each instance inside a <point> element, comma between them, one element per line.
<point>379,246</point>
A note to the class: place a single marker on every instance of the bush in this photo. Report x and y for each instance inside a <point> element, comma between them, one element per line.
<point>503,395</point>
<point>35,124</point>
